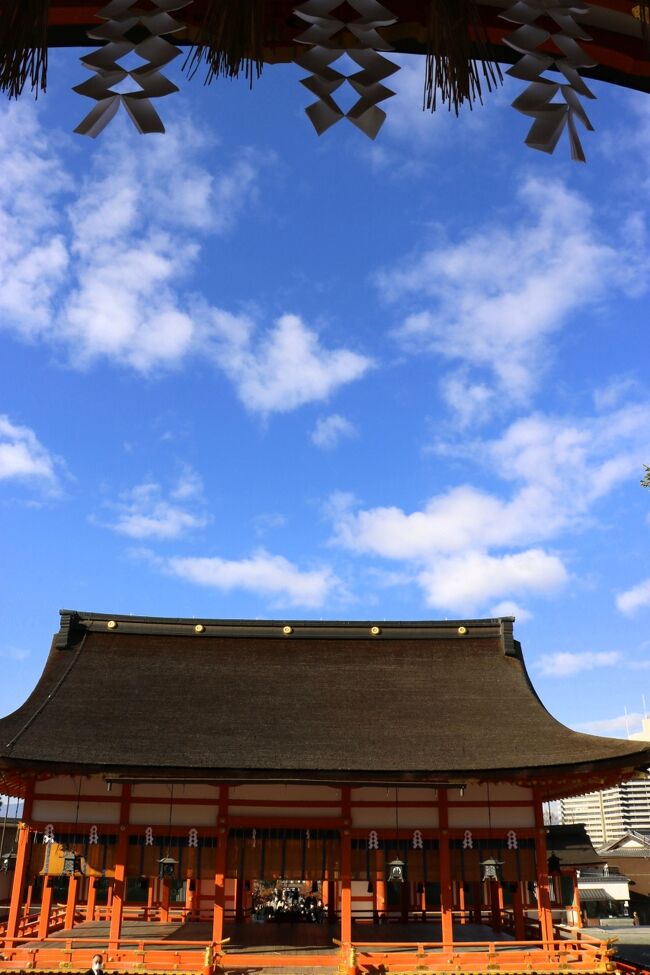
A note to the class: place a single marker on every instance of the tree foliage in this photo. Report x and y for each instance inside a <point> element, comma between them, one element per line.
<point>646,478</point>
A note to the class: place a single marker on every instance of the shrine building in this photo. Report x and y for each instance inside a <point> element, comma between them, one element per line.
<point>224,795</point>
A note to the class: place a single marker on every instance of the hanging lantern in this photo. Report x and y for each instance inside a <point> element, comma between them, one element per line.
<point>167,867</point>
<point>71,863</point>
<point>491,869</point>
<point>396,872</point>
<point>9,863</point>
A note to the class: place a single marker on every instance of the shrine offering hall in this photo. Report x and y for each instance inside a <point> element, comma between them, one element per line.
<point>325,797</point>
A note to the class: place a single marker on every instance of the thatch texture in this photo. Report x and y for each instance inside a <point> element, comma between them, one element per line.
<point>23,45</point>
<point>455,41</point>
<point>230,40</point>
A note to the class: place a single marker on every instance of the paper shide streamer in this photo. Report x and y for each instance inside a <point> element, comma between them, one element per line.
<point>537,100</point>
<point>132,27</point>
<point>326,43</point>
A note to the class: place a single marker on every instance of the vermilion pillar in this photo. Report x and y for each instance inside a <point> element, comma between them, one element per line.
<point>119,885</point>
<point>219,888</point>
<point>20,873</point>
<point>543,896</point>
<point>346,887</point>
<point>446,891</point>
<point>71,902</point>
<point>518,911</point>
<point>91,899</point>
<point>46,907</point>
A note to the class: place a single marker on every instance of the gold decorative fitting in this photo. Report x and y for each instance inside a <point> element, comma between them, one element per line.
<point>462,630</point>
<point>111,625</point>
<point>287,630</point>
<point>199,628</point>
<point>375,630</point>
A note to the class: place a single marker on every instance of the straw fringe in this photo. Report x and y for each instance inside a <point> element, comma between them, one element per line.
<point>23,45</point>
<point>230,40</point>
<point>455,65</point>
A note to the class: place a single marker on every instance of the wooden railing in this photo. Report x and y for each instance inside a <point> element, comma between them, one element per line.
<point>357,958</point>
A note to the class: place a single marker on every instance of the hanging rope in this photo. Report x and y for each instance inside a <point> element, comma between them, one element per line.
<point>459,58</point>
<point>230,40</point>
<point>23,45</point>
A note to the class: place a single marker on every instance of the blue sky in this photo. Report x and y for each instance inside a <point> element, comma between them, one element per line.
<point>248,372</point>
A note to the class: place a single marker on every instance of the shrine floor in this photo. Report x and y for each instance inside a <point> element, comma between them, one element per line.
<point>272,938</point>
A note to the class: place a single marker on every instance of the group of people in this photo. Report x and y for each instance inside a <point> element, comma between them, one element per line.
<point>288,905</point>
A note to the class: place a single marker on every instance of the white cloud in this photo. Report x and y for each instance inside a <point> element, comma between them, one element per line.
<point>637,597</point>
<point>101,269</point>
<point>563,664</point>
<point>618,726</point>
<point>329,430</point>
<point>262,574</point>
<point>509,608</point>
<point>468,580</point>
<point>490,301</point>
<point>285,367</point>
<point>22,456</point>
<point>144,511</point>
<point>470,546</point>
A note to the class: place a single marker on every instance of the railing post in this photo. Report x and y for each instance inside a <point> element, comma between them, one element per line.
<point>46,907</point>
<point>20,872</point>
<point>91,899</point>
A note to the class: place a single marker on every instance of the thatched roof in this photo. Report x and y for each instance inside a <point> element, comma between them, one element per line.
<point>328,700</point>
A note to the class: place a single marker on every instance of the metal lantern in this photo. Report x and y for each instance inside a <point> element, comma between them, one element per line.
<point>167,867</point>
<point>396,872</point>
<point>71,863</point>
<point>491,869</point>
<point>9,863</point>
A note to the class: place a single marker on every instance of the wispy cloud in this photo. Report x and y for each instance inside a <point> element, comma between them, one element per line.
<point>23,456</point>
<point>144,511</point>
<point>330,430</point>
<point>263,574</point>
<point>17,654</point>
<point>633,599</point>
<point>618,726</point>
<point>565,664</point>
<point>490,301</point>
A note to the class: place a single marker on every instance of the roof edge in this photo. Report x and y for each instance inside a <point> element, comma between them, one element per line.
<point>75,623</point>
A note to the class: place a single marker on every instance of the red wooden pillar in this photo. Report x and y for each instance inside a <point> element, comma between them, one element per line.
<point>46,907</point>
<point>220,888</point>
<point>116,893</point>
<point>71,902</point>
<point>165,891</point>
<point>151,884</point>
<point>28,901</point>
<point>577,906</point>
<point>461,901</point>
<point>543,895</point>
<point>446,892</point>
<point>346,887</point>
<point>380,884</point>
<point>91,899</point>
<point>239,899</point>
<point>119,885</point>
<point>20,873</point>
